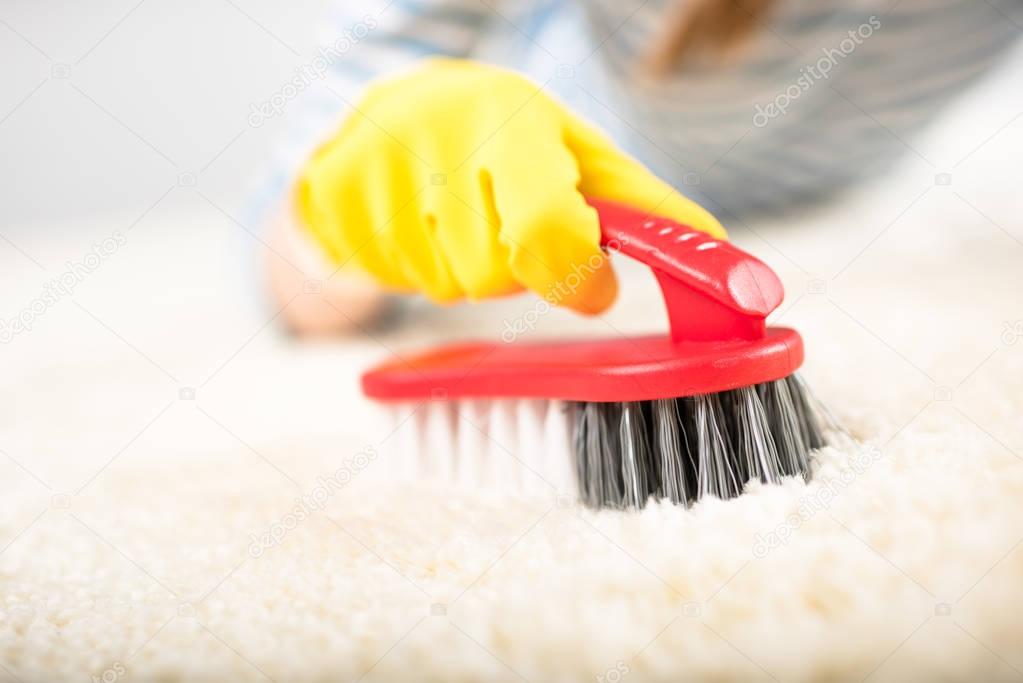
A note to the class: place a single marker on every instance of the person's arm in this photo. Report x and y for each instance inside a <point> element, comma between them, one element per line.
<point>356,47</point>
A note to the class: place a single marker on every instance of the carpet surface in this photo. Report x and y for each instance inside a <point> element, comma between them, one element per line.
<point>186,494</point>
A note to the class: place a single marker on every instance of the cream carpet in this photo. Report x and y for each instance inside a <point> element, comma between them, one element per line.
<point>155,425</point>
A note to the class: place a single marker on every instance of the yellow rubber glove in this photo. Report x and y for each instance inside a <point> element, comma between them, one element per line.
<point>465,180</point>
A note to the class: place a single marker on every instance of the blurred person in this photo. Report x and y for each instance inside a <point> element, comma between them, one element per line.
<point>447,150</point>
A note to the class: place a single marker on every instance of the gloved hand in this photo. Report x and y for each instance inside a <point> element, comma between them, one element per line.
<point>462,179</point>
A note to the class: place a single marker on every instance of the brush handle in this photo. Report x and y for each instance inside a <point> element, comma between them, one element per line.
<point>712,289</point>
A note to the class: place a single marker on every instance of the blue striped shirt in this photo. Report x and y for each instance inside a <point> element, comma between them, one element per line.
<point>824,93</point>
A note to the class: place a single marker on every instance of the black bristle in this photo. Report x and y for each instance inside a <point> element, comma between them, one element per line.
<point>755,447</point>
<point>715,458</point>
<point>788,437</point>
<point>653,461</point>
<point>808,426</point>
<point>635,455</point>
<point>597,453</point>
<point>676,472</point>
<point>687,448</point>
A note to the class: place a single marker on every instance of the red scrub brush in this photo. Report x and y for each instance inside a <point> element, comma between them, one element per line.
<point>699,411</point>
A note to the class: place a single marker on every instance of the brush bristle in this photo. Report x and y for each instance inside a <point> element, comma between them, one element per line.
<point>687,448</point>
<point>616,455</point>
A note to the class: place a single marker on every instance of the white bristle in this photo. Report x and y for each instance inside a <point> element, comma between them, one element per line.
<point>406,439</point>
<point>440,422</point>
<point>559,462</point>
<point>529,429</point>
<point>515,445</point>
<point>471,442</point>
<point>503,449</point>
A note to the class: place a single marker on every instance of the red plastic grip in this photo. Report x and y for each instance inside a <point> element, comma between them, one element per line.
<point>712,289</point>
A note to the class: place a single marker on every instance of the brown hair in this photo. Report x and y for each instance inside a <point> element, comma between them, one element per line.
<point>713,28</point>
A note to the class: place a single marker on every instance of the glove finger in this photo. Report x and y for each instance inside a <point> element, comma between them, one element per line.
<point>334,203</point>
<point>468,233</point>
<point>552,235</point>
<point>419,256</point>
<point>608,173</point>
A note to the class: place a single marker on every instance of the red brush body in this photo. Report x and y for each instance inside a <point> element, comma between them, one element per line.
<point>717,298</point>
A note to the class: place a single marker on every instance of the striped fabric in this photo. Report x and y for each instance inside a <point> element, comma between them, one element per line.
<point>826,92</point>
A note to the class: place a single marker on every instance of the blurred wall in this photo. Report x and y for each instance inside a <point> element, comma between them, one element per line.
<point>104,105</point>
